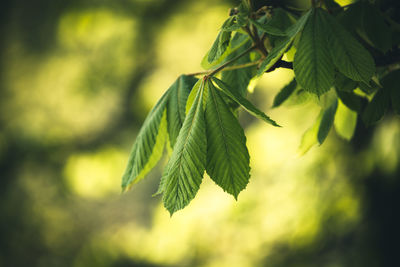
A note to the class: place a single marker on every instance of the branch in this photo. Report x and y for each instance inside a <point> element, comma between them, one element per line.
<point>234,67</point>
<point>281,64</point>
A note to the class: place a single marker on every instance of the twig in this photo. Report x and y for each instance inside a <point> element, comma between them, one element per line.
<point>224,66</point>
<point>281,64</point>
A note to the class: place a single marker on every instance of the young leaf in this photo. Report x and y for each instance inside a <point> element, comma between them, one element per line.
<point>280,20</point>
<point>312,62</point>
<point>348,55</point>
<point>281,47</point>
<point>182,179</point>
<point>221,43</point>
<point>149,144</point>
<point>345,121</point>
<point>284,93</point>
<point>227,155</point>
<point>272,30</point>
<point>238,40</point>
<point>248,106</point>
<point>176,106</point>
<point>327,122</point>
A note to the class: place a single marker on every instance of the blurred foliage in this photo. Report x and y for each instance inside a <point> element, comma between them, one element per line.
<point>77,79</point>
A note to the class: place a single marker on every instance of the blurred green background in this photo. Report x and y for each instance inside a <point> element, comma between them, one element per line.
<point>77,80</point>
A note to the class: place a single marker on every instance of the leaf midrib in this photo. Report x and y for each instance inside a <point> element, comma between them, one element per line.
<point>224,138</point>
<point>186,141</point>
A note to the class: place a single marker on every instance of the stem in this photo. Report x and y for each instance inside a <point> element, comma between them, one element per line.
<point>224,66</point>
<point>231,61</point>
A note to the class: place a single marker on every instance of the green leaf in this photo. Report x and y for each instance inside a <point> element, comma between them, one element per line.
<point>227,155</point>
<point>312,62</point>
<point>351,100</point>
<point>149,144</point>
<point>391,83</point>
<point>182,179</point>
<point>377,31</point>
<point>280,20</point>
<point>281,47</point>
<point>345,121</point>
<point>348,55</point>
<point>247,105</point>
<point>327,122</point>
<point>237,41</point>
<point>284,93</point>
<point>352,18</point>
<point>368,88</point>
<point>193,95</point>
<point>377,107</point>
<point>342,83</point>
<point>309,138</point>
<point>176,106</point>
<point>272,30</point>
<point>239,78</point>
<point>221,43</point>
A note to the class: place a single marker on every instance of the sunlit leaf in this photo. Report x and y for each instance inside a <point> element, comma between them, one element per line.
<point>149,144</point>
<point>247,105</point>
<point>309,138</point>
<point>193,94</point>
<point>345,121</point>
<point>184,174</point>
<point>176,106</point>
<point>227,155</point>
<point>221,43</point>
<point>238,40</point>
<point>312,62</point>
<point>327,122</point>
